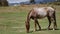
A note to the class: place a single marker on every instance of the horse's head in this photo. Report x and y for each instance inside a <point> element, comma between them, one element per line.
<point>27,24</point>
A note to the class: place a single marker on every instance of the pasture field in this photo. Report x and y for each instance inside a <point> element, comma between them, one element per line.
<point>12,21</point>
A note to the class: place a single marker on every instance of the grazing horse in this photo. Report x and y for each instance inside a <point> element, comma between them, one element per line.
<point>39,13</point>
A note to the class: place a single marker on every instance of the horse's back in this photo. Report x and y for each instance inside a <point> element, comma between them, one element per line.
<point>43,11</point>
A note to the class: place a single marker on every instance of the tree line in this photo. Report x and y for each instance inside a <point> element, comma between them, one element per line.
<point>3,3</point>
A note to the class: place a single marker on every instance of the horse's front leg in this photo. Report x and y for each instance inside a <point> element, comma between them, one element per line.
<point>36,23</point>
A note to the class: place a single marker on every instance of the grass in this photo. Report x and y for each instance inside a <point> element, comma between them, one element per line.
<point>12,21</point>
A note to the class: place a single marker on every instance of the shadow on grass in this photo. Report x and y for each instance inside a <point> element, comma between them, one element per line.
<point>47,29</point>
<point>44,30</point>
<point>30,31</point>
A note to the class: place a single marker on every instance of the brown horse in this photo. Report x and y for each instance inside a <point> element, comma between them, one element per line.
<point>39,13</point>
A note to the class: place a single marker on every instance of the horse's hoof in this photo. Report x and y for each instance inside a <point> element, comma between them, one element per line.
<point>39,29</point>
<point>27,32</point>
<point>55,29</point>
<point>35,30</point>
<point>48,28</point>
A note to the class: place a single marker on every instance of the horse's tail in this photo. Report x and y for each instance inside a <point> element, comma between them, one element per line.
<point>28,22</point>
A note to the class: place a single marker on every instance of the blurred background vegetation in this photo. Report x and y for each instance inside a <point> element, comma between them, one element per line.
<point>5,2</point>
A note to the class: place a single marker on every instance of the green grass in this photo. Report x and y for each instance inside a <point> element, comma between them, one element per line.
<point>12,21</point>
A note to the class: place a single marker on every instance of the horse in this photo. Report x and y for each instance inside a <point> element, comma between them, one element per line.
<point>39,13</point>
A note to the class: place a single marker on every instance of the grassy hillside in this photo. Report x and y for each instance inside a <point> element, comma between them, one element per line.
<point>12,20</point>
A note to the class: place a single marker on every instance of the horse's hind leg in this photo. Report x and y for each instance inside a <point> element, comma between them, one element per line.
<point>53,19</point>
<point>36,23</point>
<point>54,22</point>
<point>49,19</point>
